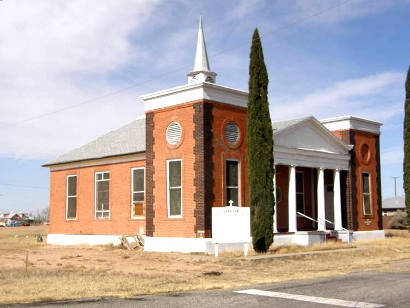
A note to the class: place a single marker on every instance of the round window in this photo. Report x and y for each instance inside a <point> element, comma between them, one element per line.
<point>174,133</point>
<point>232,132</point>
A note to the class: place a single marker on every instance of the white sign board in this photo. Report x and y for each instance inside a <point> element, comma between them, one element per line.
<point>231,224</point>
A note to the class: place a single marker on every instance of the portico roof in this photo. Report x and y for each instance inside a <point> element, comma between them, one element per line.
<point>306,142</point>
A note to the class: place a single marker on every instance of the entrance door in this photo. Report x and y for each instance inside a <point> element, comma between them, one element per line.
<point>329,205</point>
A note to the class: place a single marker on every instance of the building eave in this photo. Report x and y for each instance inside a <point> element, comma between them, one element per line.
<point>48,165</point>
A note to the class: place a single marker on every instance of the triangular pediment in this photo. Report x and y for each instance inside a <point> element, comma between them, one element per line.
<point>309,134</point>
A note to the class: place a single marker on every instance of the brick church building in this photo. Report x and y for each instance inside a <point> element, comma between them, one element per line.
<point>161,174</point>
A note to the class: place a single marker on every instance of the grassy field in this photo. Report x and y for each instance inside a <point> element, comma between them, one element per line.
<point>55,273</point>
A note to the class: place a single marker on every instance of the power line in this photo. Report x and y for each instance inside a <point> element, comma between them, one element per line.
<point>121,90</point>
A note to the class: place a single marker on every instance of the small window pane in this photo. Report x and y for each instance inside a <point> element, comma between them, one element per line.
<point>138,209</point>
<point>103,186</point>
<point>365,183</point>
<point>366,201</point>
<point>232,194</point>
<point>72,207</point>
<point>231,173</point>
<point>175,173</point>
<point>102,195</point>
<point>138,197</point>
<point>72,185</point>
<point>138,179</point>
<point>175,202</point>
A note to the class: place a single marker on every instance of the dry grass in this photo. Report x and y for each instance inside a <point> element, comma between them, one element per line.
<point>21,238</point>
<point>397,233</point>
<point>78,272</point>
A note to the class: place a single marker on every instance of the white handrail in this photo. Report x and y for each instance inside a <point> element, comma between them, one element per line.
<point>324,223</point>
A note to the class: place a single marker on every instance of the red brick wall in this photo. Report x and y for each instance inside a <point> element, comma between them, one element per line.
<point>164,226</point>
<point>366,222</point>
<point>185,115</point>
<point>359,164</point>
<point>223,114</point>
<point>120,221</point>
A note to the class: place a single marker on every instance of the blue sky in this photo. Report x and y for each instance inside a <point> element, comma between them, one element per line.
<point>324,58</point>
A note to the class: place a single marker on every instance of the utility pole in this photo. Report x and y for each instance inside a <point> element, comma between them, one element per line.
<point>395,186</point>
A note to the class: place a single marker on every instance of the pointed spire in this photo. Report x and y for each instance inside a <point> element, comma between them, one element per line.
<point>201,70</point>
<point>201,56</point>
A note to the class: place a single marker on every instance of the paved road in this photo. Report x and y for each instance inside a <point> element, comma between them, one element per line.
<point>375,289</point>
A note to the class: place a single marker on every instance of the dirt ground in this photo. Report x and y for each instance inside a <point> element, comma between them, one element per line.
<point>56,272</point>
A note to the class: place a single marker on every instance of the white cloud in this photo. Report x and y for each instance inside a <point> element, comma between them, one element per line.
<point>246,7</point>
<point>54,54</point>
<point>364,96</point>
<point>392,156</point>
<point>337,11</point>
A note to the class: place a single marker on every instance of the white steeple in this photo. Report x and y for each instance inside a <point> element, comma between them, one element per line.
<point>201,72</point>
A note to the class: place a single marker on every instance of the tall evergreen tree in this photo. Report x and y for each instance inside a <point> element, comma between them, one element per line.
<point>406,136</point>
<point>260,150</point>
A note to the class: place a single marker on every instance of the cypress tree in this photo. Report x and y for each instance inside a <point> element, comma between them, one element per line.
<point>406,136</point>
<point>260,150</point>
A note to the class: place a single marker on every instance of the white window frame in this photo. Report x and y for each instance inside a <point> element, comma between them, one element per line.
<point>303,190</point>
<point>168,188</point>
<point>67,196</point>
<point>95,196</point>
<point>132,193</point>
<point>369,193</point>
<point>239,181</point>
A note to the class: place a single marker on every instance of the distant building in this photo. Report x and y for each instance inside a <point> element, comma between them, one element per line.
<point>162,174</point>
<point>390,205</point>
<point>8,217</point>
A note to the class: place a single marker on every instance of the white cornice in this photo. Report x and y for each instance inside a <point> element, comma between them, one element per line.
<point>352,122</point>
<point>195,91</point>
<point>310,158</point>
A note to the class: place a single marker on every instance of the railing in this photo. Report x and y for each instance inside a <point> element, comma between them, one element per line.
<point>324,224</point>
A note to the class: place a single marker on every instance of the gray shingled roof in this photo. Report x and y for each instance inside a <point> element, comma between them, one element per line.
<point>281,125</point>
<point>394,203</point>
<point>127,139</point>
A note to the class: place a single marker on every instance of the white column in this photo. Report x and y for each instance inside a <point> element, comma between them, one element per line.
<point>337,201</point>
<point>292,199</point>
<point>275,222</point>
<point>321,200</point>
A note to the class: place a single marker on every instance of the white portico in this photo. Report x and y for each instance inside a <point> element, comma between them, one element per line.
<point>308,152</point>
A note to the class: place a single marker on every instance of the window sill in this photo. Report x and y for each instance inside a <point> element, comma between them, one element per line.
<point>71,219</point>
<point>137,218</point>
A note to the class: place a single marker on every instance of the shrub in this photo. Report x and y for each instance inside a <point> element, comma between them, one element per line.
<point>398,220</point>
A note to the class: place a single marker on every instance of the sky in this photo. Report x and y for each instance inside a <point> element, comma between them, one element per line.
<point>71,71</point>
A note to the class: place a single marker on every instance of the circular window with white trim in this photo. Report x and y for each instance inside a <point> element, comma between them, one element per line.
<point>174,133</point>
<point>231,131</point>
